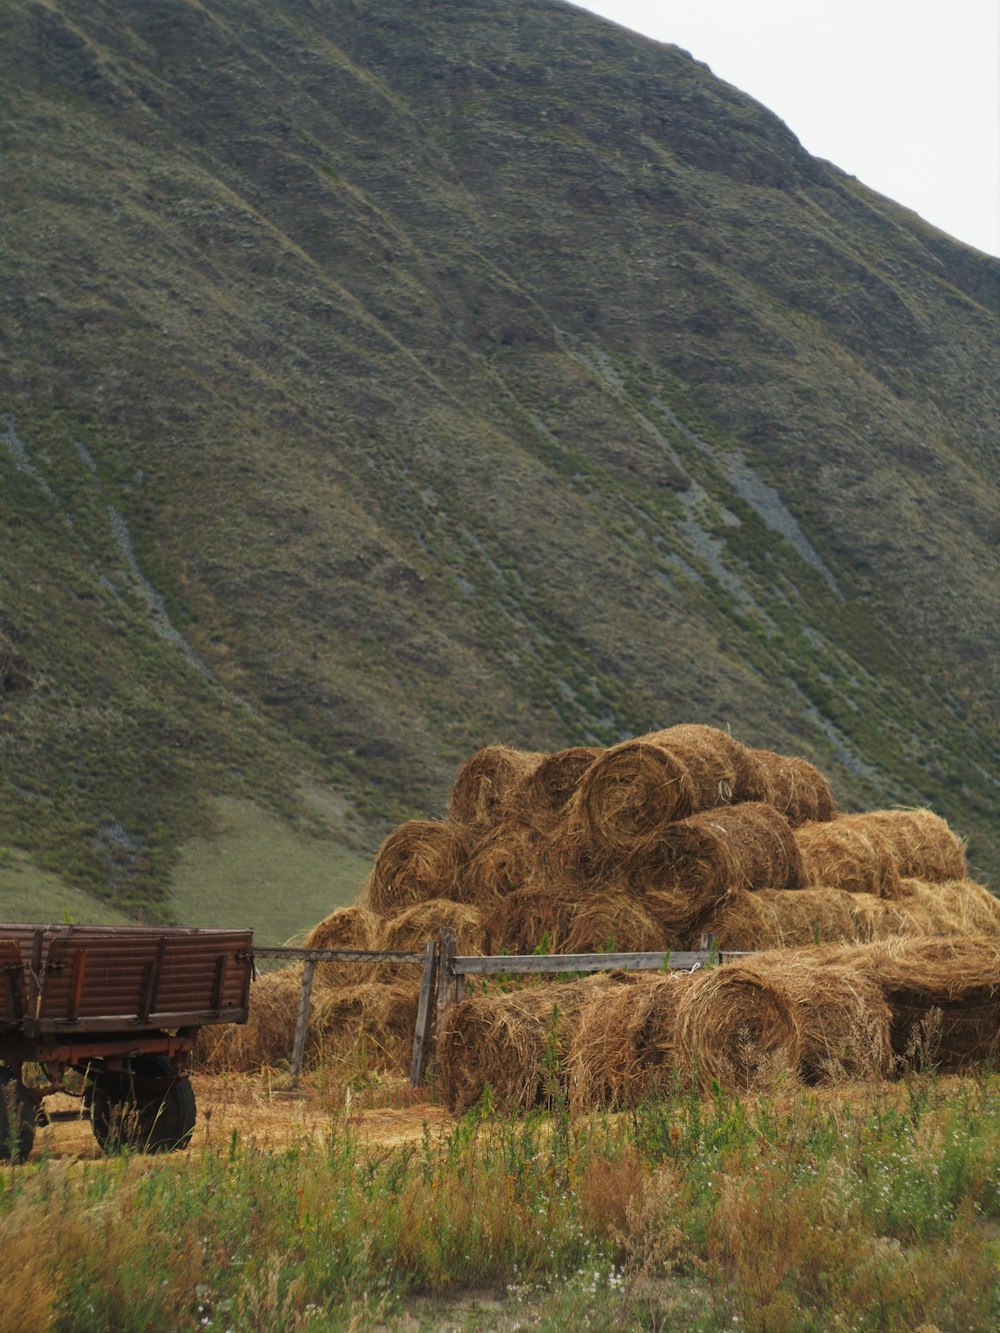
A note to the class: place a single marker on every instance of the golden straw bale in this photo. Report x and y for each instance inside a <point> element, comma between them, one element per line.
<point>535,915</point>
<point>516,1043</point>
<point>266,1038</point>
<point>347,928</point>
<point>565,856</point>
<point>485,782</point>
<point>541,796</point>
<point>846,1026</point>
<point>944,993</point>
<point>695,863</point>
<point>848,853</point>
<point>777,918</point>
<point>421,859</point>
<point>792,785</point>
<point>617,922</point>
<point>843,1016</point>
<point>885,918</point>
<point>921,844</point>
<point>371,1024</point>
<point>634,789</point>
<point>739,1026</point>
<point>957,907</point>
<point>770,919</point>
<point>500,862</point>
<point>622,1050</point>
<point>410,930</point>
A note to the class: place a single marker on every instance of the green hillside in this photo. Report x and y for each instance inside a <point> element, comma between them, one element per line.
<point>381,380</point>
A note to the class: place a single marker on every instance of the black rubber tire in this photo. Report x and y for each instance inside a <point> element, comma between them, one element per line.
<point>147,1108</point>
<point>17,1119</point>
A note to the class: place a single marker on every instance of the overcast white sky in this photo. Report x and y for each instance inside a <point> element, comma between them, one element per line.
<point>903,94</point>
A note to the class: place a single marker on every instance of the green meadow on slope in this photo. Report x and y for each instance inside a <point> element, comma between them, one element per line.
<point>378,381</point>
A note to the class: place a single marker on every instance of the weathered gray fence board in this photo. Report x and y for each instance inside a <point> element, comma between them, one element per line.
<point>469,966</point>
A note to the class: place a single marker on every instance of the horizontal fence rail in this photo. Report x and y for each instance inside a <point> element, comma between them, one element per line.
<point>310,957</point>
<point>442,982</point>
<point>475,965</point>
<point>339,955</point>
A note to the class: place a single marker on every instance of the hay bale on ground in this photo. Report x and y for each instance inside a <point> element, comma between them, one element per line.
<point>420,859</point>
<point>792,785</point>
<point>616,922</point>
<point>921,844</point>
<point>779,918</point>
<point>500,862</point>
<point>848,853</point>
<point>347,928</point>
<point>516,1043</point>
<point>695,863</point>
<point>266,1038</point>
<point>956,907</point>
<point>633,790</point>
<point>843,1017</point>
<point>845,1024</point>
<point>770,919</point>
<point>410,930</point>
<point>622,1051</point>
<point>944,995</point>
<point>739,1026</point>
<point>367,1026</point>
<point>539,799</point>
<point>874,851</point>
<point>485,782</point>
<point>535,915</point>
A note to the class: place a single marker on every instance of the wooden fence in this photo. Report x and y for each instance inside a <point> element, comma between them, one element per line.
<point>442,981</point>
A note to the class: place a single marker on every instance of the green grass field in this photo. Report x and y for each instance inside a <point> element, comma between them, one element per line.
<point>254,871</point>
<point>257,871</point>
<point>874,1209</point>
<point>30,894</point>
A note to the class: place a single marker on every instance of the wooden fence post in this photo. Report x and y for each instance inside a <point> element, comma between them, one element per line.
<point>422,1028</point>
<point>447,980</point>
<point>298,1049</point>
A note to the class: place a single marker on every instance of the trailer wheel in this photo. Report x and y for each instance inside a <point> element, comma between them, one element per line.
<point>17,1119</point>
<point>148,1107</point>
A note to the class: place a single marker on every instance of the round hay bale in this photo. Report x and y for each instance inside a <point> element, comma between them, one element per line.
<point>885,918</point>
<point>944,994</point>
<point>739,1027</point>
<point>367,1026</point>
<point>485,782</point>
<point>777,918</point>
<point>410,930</point>
<point>844,1020</point>
<point>421,859</point>
<point>353,927</point>
<point>696,862</point>
<point>792,785</point>
<point>957,907</point>
<point>622,1051</point>
<point>500,862</point>
<point>920,843</point>
<point>516,1043</point>
<point>542,795</point>
<point>633,790</point>
<point>565,857</point>
<point>846,1026</point>
<point>616,922</point>
<point>266,1039</point>
<point>536,916</point>
<point>848,853</point>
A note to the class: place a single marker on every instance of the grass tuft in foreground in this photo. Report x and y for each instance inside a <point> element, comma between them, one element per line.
<point>875,1209</point>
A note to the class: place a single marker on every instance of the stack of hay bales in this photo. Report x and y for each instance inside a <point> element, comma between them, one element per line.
<point>647,845</point>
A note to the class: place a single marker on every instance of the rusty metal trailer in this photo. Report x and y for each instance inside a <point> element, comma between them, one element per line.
<point>110,1014</point>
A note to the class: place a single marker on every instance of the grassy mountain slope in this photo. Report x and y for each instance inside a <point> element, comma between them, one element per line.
<point>380,380</point>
